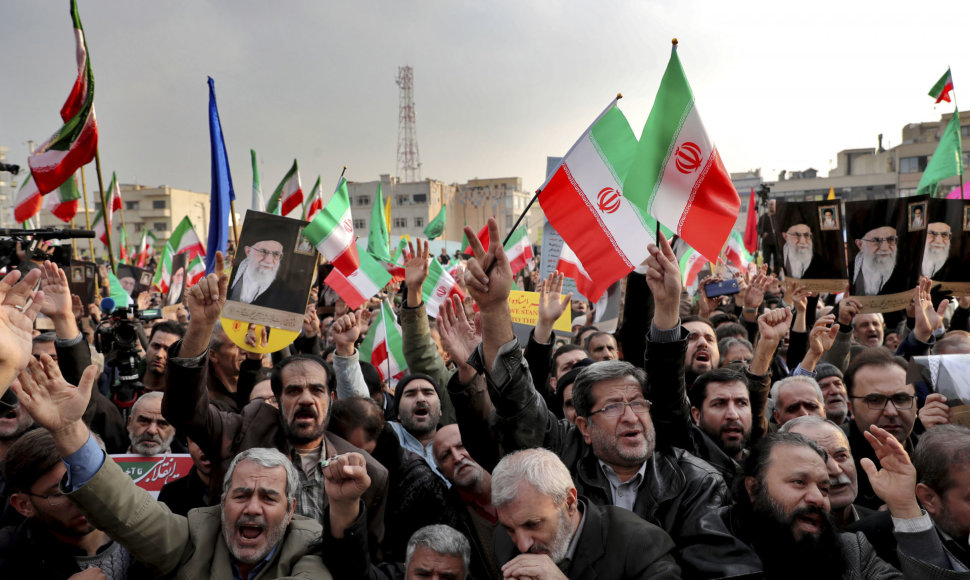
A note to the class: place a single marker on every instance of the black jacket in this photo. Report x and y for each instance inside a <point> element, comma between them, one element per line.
<point>185,493</point>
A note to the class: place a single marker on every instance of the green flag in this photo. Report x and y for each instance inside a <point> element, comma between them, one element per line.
<point>378,238</point>
<point>946,161</point>
<point>436,227</point>
<point>118,293</point>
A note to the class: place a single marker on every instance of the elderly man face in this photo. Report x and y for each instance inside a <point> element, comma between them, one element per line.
<point>255,511</point>
<point>798,240</point>
<point>265,257</point>
<point>937,248</point>
<point>622,436</point>
<point>879,250</point>
<point>454,461</point>
<point>149,431</point>
<point>843,479</point>
<point>796,399</point>
<point>867,329</point>
<point>836,398</point>
<point>536,524</point>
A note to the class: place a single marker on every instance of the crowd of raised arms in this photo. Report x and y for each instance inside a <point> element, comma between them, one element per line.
<point>774,433</point>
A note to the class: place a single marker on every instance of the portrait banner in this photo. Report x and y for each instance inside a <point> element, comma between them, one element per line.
<point>885,239</point>
<point>82,280</point>
<point>946,255</point>
<point>811,245</point>
<point>176,287</point>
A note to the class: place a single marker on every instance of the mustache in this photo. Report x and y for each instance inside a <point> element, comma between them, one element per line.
<point>842,479</point>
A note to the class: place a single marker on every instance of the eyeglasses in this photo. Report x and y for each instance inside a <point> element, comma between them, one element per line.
<point>265,253</point>
<point>878,402</point>
<point>614,410</point>
<point>54,500</point>
<point>943,235</point>
<point>890,240</point>
<point>800,235</point>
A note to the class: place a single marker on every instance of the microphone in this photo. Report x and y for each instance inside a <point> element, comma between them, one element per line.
<point>107,305</point>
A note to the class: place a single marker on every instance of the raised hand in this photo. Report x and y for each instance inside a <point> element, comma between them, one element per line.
<point>347,329</point>
<point>935,411</point>
<point>489,274</point>
<point>311,322</point>
<point>416,270</point>
<point>663,278</point>
<point>927,319</point>
<point>57,292</point>
<point>895,483</point>
<point>551,306</point>
<point>823,334</point>
<point>54,404</point>
<point>345,480</point>
<point>459,337</point>
<point>756,289</point>
<point>848,308</point>
<point>19,305</point>
<point>774,324</point>
<point>205,301</point>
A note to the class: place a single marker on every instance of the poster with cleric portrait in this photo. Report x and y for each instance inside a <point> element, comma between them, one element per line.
<point>811,246</point>
<point>946,255</point>
<point>885,240</point>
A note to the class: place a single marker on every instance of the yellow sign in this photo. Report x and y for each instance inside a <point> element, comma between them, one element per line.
<point>256,337</point>
<point>525,310</point>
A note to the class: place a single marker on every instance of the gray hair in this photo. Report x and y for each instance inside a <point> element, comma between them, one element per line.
<point>941,450</point>
<point>268,458</point>
<point>150,396</point>
<point>441,539</point>
<point>809,420</point>
<point>776,388</point>
<point>540,468</point>
<point>602,371</point>
<point>878,315</point>
<point>727,342</point>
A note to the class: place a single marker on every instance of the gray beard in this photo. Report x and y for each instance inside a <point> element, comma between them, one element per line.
<point>933,260</point>
<point>798,259</point>
<point>876,272</point>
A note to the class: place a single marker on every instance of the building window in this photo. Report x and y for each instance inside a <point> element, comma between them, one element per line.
<point>965,131</point>
<point>160,226</point>
<point>419,222</point>
<point>363,200</point>
<point>130,205</point>
<point>97,206</point>
<point>400,222</point>
<point>359,224</point>
<point>420,197</point>
<point>159,204</point>
<point>912,164</point>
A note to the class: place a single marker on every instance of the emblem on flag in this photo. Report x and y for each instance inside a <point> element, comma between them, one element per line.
<point>608,200</point>
<point>688,157</point>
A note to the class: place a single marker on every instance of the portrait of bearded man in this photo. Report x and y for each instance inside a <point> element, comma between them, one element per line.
<point>798,252</point>
<point>937,249</point>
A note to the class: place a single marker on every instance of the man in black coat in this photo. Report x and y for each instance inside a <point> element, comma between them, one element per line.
<point>573,537</point>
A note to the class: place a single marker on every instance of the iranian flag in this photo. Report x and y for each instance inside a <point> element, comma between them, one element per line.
<point>100,231</point>
<point>76,142</point>
<point>64,201</point>
<point>196,271</point>
<point>29,201</point>
<point>519,250</point>
<point>438,288</point>
<point>146,248</point>
<point>736,253</point>
<point>358,286</point>
<point>583,202</point>
<point>751,225</point>
<point>288,195</point>
<point>691,263</point>
<point>123,256</point>
<point>185,239</point>
<point>383,347</point>
<point>257,201</point>
<point>677,175</point>
<point>570,266</point>
<point>941,90</point>
<point>314,203</point>
<point>163,275</point>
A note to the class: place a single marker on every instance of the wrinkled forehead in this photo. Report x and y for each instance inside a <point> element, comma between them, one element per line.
<point>697,328</point>
<point>939,227</point>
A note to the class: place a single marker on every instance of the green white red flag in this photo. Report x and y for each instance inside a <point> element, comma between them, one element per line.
<point>163,274</point>
<point>691,263</point>
<point>29,201</point>
<point>519,250</point>
<point>313,203</point>
<point>185,239</point>
<point>383,346</point>
<point>288,195</point>
<point>63,202</point>
<point>570,266</point>
<point>677,175</point>
<point>438,288</point>
<point>941,90</point>
<point>123,256</point>
<point>196,271</point>
<point>584,202</point>
<point>146,248</point>
<point>736,253</point>
<point>76,142</point>
<point>102,221</point>
<point>359,285</point>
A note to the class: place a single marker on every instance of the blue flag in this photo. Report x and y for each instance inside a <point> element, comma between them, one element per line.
<point>222,193</point>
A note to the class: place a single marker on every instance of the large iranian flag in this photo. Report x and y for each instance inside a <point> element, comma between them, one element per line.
<point>288,195</point>
<point>76,142</point>
<point>185,239</point>
<point>583,201</point>
<point>29,201</point>
<point>383,346</point>
<point>163,274</point>
<point>438,288</point>
<point>677,175</point>
<point>63,202</point>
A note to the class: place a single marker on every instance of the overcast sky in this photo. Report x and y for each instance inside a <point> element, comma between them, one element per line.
<point>498,85</point>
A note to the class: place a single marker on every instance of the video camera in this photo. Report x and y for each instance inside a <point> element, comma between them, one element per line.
<point>117,337</point>
<point>31,239</point>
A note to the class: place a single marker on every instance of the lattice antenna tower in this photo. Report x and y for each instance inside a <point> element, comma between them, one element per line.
<point>408,159</point>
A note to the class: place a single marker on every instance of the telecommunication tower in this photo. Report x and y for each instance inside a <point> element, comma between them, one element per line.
<point>408,159</point>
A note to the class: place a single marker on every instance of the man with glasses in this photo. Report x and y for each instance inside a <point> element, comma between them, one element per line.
<point>875,262</point>
<point>878,395</point>
<point>255,279</point>
<point>937,250</point>
<point>798,251</point>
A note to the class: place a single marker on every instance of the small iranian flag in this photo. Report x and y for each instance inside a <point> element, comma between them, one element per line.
<point>357,286</point>
<point>383,347</point>
<point>63,202</point>
<point>29,201</point>
<point>583,202</point>
<point>570,266</point>
<point>691,263</point>
<point>163,275</point>
<point>184,239</point>
<point>196,271</point>
<point>677,175</point>
<point>400,254</point>
<point>146,248</point>
<point>332,231</point>
<point>123,256</point>
<point>438,288</point>
<point>288,195</point>
<point>941,90</point>
<point>117,291</point>
<point>736,253</point>
<point>519,250</point>
<point>76,142</point>
<point>313,203</point>
<point>378,237</point>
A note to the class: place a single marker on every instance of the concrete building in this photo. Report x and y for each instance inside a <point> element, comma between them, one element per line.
<point>8,192</point>
<point>502,197</point>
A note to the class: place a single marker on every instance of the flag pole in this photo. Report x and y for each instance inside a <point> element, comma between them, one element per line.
<point>73,242</point>
<point>106,211</point>
<point>956,111</point>
<point>124,238</point>
<point>87,215</point>
<point>232,212</point>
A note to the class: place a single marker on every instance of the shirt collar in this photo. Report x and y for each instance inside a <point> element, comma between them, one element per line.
<point>579,532</point>
<point>614,479</point>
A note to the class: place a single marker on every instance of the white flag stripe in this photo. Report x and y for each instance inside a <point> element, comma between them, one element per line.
<point>669,203</point>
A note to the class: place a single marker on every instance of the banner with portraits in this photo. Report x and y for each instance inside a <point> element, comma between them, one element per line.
<point>885,240</point>
<point>176,285</point>
<point>811,247</point>
<point>946,255</point>
<point>134,280</point>
<point>83,281</point>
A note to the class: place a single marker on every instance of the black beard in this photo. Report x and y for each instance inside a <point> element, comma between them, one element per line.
<point>811,558</point>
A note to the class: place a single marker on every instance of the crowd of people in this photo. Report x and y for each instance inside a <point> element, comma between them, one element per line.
<point>772,433</point>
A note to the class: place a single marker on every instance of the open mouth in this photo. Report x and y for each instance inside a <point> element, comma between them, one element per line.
<point>632,435</point>
<point>422,412</point>
<point>305,415</point>
<point>809,522</point>
<point>250,533</point>
<point>732,432</point>
<point>702,356</point>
